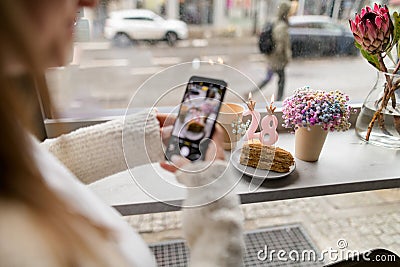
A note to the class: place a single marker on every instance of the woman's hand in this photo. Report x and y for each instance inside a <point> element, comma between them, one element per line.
<point>166,125</point>
<point>214,152</point>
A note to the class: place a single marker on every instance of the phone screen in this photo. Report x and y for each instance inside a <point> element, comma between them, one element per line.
<point>196,119</point>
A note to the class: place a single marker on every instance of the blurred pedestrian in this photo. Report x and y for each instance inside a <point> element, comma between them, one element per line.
<point>282,53</point>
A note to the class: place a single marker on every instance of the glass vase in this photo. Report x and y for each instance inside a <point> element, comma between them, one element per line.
<point>386,129</point>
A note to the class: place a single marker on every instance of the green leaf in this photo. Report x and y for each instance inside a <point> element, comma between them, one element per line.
<point>396,24</point>
<point>357,45</point>
<point>396,31</point>
<point>372,59</point>
<point>398,50</point>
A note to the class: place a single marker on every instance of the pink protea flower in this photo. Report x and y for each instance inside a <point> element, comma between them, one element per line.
<point>373,28</point>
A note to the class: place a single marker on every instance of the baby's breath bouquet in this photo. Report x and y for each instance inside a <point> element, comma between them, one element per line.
<point>239,127</point>
<point>307,107</point>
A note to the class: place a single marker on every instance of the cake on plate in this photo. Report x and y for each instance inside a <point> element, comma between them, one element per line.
<point>264,157</point>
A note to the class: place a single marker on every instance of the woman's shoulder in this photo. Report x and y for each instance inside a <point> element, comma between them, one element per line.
<point>22,240</point>
<point>14,217</point>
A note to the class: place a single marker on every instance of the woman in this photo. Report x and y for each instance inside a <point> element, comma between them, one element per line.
<point>47,217</point>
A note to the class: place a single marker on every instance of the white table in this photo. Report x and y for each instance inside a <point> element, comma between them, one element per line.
<point>346,165</point>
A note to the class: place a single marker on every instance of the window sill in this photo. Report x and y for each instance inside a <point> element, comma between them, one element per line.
<point>70,121</point>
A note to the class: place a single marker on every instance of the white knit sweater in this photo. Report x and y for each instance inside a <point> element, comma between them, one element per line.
<point>101,150</point>
<point>90,154</point>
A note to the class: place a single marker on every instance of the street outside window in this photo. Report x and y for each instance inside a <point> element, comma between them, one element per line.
<point>128,49</point>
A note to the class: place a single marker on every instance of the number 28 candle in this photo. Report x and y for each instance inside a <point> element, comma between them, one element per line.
<point>268,125</point>
<point>255,119</point>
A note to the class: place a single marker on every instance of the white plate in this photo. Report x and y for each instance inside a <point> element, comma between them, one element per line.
<point>257,173</point>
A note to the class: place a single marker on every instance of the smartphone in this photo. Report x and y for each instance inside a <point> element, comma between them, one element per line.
<point>196,119</point>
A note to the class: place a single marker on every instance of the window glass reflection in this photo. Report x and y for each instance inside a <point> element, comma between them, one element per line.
<point>117,49</point>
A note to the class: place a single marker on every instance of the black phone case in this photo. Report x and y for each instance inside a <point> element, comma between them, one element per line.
<point>203,143</point>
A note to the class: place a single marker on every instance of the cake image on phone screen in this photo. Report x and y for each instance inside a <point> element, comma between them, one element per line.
<point>195,126</point>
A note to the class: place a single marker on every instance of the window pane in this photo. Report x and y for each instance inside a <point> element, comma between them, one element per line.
<point>116,53</point>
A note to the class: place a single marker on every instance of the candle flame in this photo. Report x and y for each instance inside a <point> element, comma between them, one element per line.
<point>271,108</point>
<point>251,104</point>
<point>220,60</point>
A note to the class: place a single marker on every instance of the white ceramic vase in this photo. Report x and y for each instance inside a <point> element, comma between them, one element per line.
<point>309,142</point>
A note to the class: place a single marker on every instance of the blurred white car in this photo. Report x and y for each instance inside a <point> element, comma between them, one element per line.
<point>140,24</point>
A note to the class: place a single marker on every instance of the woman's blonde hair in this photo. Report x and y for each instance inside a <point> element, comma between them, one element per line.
<point>70,235</point>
